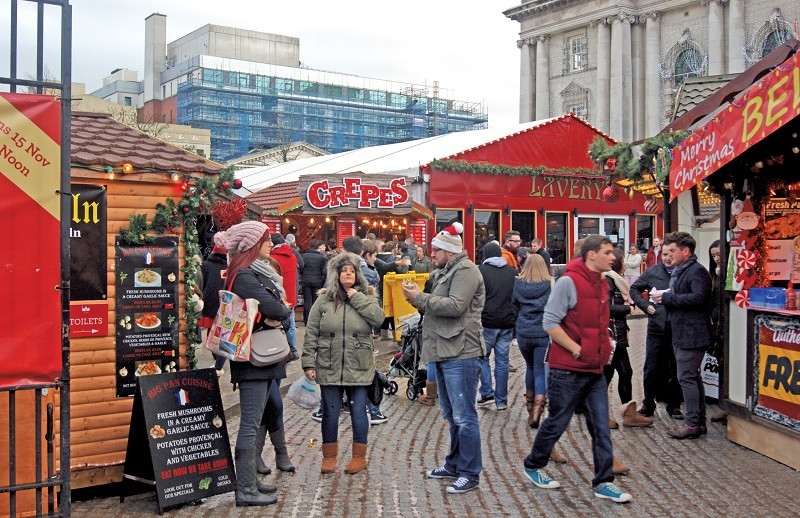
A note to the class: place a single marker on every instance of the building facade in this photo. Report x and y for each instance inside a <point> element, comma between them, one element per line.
<point>250,91</point>
<point>619,64</point>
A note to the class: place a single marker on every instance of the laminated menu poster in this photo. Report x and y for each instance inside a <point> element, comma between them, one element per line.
<point>782,232</point>
<point>147,279</point>
<point>178,440</point>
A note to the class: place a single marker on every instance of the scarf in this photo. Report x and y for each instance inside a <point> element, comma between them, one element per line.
<point>621,284</point>
<point>678,271</point>
<point>264,268</point>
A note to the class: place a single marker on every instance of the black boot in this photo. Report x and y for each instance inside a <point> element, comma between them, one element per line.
<point>246,481</point>
<point>261,438</point>
<point>282,460</point>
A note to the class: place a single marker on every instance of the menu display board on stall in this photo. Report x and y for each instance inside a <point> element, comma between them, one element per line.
<point>345,227</point>
<point>777,396</point>
<point>178,438</point>
<point>782,230</point>
<point>147,279</point>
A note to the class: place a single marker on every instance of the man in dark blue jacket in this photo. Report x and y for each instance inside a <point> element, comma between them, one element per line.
<point>659,376</point>
<point>688,303</point>
<point>498,318</point>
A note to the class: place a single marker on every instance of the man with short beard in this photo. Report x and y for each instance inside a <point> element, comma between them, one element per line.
<point>452,336</point>
<point>511,243</point>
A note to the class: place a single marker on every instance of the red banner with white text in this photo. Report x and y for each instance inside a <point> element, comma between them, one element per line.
<point>763,108</point>
<point>30,270</point>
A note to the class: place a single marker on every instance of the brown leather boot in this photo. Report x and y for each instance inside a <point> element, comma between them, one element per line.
<point>557,457</point>
<point>612,423</point>
<point>430,395</point>
<point>359,460</point>
<point>539,402</point>
<point>329,452</point>
<point>632,418</point>
<point>618,468</point>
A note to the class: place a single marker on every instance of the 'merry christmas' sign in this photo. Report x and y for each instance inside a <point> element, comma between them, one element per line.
<point>760,111</point>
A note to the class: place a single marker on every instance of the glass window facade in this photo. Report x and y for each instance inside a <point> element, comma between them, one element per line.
<point>245,111</point>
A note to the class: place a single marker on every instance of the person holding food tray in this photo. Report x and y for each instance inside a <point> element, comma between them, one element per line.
<point>250,275</point>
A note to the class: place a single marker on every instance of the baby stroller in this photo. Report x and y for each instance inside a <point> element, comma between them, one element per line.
<point>405,363</point>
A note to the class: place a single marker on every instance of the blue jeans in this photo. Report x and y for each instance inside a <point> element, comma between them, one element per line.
<point>431,372</point>
<point>533,351</point>
<point>219,361</point>
<point>252,402</point>
<point>566,390</point>
<point>332,407</point>
<point>457,381</point>
<point>499,340</point>
<point>291,333</point>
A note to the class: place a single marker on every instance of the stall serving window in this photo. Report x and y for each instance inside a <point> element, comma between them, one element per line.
<point>524,222</point>
<point>487,228</point>
<point>557,239</point>
<point>613,227</point>
<point>446,217</point>
<point>645,226</point>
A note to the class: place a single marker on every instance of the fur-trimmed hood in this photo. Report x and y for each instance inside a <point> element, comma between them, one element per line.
<point>332,280</point>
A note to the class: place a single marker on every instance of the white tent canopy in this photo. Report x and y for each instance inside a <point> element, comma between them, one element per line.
<point>403,158</point>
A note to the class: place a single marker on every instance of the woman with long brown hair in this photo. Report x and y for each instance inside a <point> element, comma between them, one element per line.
<point>250,275</point>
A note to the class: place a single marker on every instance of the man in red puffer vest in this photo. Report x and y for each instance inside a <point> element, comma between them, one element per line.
<point>576,317</point>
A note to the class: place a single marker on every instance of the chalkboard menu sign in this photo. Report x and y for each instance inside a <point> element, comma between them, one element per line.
<point>147,279</point>
<point>178,439</point>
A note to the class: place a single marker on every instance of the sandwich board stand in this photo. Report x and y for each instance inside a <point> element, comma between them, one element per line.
<point>178,440</point>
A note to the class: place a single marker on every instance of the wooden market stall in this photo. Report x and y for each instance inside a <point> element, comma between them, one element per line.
<point>118,172</point>
<point>749,153</point>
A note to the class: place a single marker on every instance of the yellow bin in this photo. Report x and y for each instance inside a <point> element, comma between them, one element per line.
<point>395,304</point>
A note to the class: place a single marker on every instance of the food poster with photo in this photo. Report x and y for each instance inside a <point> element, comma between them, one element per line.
<point>147,278</point>
<point>782,232</point>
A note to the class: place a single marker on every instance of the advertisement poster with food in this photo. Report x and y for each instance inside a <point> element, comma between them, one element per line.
<point>775,365</point>
<point>782,231</point>
<point>147,279</point>
<point>179,439</point>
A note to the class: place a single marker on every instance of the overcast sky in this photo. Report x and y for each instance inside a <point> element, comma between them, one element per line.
<point>468,46</point>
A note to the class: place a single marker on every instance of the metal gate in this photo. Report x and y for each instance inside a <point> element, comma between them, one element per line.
<point>52,492</point>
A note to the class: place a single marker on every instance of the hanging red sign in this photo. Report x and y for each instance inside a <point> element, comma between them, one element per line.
<point>30,178</point>
<point>345,227</point>
<point>355,193</point>
<point>88,320</point>
<point>272,223</point>
<point>759,112</point>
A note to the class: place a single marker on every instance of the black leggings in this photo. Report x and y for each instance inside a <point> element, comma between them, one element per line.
<point>621,363</point>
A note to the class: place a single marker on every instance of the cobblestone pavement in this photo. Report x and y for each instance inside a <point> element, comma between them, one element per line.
<point>710,476</point>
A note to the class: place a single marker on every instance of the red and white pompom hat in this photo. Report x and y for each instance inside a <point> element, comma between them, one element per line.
<point>449,239</point>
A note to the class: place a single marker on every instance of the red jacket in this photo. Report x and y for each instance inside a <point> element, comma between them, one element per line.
<point>652,259</point>
<point>288,263</point>
<point>586,323</point>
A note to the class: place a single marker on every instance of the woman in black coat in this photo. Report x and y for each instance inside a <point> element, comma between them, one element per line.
<point>213,267</point>
<point>250,275</point>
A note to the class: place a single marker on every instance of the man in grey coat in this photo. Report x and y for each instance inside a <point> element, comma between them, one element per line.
<point>452,334</point>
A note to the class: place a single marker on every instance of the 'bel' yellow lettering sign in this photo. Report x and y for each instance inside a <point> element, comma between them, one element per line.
<point>779,373</point>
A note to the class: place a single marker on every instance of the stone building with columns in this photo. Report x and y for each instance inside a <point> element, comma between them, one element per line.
<point>619,64</point>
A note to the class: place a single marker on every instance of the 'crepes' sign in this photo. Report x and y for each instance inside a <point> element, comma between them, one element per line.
<point>354,194</point>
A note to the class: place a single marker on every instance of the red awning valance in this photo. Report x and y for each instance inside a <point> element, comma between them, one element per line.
<point>760,111</point>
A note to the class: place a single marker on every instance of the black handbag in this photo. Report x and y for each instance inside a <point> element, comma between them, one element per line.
<point>375,390</point>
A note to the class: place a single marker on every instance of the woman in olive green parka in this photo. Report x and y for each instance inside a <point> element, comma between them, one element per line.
<point>338,354</point>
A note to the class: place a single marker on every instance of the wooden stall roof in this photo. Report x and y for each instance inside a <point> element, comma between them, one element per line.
<point>270,198</point>
<point>99,139</point>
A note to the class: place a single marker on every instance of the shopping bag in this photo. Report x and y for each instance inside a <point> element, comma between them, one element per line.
<point>305,393</point>
<point>230,335</point>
